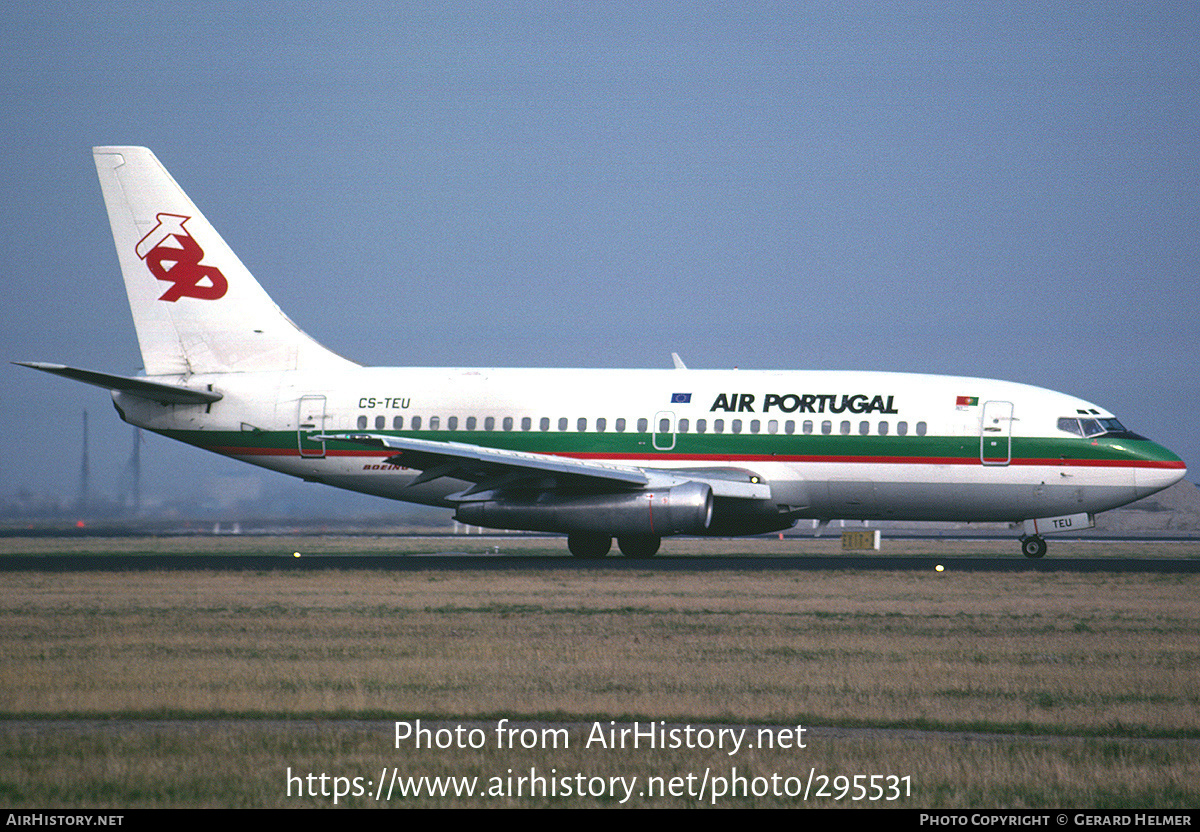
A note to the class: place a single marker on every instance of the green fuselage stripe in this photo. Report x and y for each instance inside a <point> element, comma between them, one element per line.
<point>720,447</point>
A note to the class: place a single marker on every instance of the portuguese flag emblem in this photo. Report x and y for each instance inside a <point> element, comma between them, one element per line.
<point>967,401</point>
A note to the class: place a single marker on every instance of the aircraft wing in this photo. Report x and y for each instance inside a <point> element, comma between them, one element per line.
<point>493,469</point>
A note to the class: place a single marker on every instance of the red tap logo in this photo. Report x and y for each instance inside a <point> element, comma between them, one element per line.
<point>173,255</point>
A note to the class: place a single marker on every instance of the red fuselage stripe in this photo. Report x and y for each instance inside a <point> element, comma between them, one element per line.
<point>658,459</point>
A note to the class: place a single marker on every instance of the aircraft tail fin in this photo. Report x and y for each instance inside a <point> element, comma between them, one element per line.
<point>196,308</point>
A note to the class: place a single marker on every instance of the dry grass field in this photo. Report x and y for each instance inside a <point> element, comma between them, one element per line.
<point>987,690</point>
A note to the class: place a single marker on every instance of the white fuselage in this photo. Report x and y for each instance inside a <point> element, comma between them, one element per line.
<point>830,444</point>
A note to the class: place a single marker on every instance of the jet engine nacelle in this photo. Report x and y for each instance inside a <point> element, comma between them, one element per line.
<point>681,509</point>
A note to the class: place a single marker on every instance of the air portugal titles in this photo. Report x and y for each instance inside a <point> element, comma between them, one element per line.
<point>804,403</point>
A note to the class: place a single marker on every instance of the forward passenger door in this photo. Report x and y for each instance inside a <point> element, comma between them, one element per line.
<point>995,433</point>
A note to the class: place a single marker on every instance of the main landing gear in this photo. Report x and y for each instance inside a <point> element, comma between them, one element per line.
<point>634,546</point>
<point>639,546</point>
<point>589,546</point>
<point>1033,546</point>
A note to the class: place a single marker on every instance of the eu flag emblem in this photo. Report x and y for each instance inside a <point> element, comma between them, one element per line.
<point>681,398</point>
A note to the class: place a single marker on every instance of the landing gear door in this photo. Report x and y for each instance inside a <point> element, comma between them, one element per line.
<point>310,420</point>
<point>995,433</point>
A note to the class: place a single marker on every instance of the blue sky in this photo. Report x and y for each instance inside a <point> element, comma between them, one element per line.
<point>1002,190</point>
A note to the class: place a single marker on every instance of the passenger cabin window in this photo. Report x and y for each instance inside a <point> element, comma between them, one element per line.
<point>416,423</point>
<point>642,425</point>
<point>883,428</point>
<point>701,425</point>
<point>582,425</point>
<point>920,428</point>
<point>544,424</point>
<point>845,428</point>
<point>601,424</point>
<point>489,423</point>
<point>526,423</point>
<point>864,428</point>
<point>434,422</point>
<point>562,423</point>
<point>718,425</point>
<point>808,426</point>
<point>827,428</point>
<point>902,428</point>
<point>452,423</point>
<point>380,422</point>
<point>398,423</point>
<point>362,422</point>
<point>683,426</point>
<point>471,423</point>
<point>620,426</point>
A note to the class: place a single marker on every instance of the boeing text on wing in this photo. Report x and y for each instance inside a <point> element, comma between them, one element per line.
<point>596,454</point>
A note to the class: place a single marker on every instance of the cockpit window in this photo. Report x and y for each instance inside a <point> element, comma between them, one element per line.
<point>1094,427</point>
<point>1070,426</point>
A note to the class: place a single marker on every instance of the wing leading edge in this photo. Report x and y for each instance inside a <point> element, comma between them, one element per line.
<point>492,470</point>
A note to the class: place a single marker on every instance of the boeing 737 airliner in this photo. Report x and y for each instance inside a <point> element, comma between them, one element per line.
<point>633,454</point>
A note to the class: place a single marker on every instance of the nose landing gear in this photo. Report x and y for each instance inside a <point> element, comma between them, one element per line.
<point>1033,546</point>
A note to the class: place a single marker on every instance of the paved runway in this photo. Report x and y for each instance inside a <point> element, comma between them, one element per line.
<point>461,562</point>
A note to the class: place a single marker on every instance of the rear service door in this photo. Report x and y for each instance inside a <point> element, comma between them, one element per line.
<point>310,419</point>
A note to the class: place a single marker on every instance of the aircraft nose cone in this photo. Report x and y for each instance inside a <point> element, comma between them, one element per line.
<point>1163,469</point>
<point>1147,481</point>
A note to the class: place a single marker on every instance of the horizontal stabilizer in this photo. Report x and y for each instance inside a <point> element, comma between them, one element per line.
<point>155,391</point>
